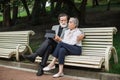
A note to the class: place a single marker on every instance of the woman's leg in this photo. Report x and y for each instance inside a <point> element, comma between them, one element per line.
<point>52,63</point>
<point>72,49</point>
<point>61,56</point>
<point>60,73</point>
<point>61,68</point>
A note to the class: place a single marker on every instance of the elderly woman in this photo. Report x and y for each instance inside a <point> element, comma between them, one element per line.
<point>69,45</point>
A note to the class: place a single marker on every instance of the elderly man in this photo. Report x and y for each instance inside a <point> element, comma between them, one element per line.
<point>49,44</point>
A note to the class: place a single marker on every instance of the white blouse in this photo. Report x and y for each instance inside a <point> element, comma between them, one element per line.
<point>70,37</point>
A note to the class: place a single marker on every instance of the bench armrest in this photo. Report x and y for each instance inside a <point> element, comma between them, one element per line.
<point>18,47</point>
<point>110,51</point>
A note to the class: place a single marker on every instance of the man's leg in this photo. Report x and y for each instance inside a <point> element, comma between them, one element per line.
<point>48,51</point>
<point>40,51</point>
<point>44,60</point>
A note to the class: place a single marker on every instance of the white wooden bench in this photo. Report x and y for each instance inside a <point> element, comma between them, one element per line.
<point>96,50</point>
<point>14,43</point>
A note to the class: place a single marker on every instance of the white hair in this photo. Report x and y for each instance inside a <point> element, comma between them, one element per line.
<point>75,20</point>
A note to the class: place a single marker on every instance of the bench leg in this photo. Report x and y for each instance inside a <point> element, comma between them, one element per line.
<point>29,48</point>
<point>107,63</point>
<point>115,55</point>
<point>17,50</point>
<point>110,51</point>
<point>107,57</point>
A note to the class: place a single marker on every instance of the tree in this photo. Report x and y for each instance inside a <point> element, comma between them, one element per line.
<point>108,4</point>
<point>82,11</point>
<point>12,5</point>
<point>78,12</point>
<point>6,14</point>
<point>15,11</point>
<point>37,11</point>
<point>26,7</point>
<point>95,3</point>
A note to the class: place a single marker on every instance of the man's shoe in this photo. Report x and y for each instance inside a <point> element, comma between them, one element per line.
<point>40,71</point>
<point>30,57</point>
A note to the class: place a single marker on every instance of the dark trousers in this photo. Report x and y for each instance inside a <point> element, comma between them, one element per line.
<point>64,49</point>
<point>45,49</point>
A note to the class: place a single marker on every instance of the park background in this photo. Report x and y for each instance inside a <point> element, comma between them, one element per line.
<point>39,15</point>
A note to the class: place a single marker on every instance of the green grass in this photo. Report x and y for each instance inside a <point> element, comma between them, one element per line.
<point>1,18</point>
<point>22,13</point>
<point>115,68</point>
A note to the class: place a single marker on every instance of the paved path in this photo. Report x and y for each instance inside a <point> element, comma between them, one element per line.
<point>13,73</point>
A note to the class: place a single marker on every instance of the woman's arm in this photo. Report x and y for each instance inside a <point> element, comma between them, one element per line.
<point>80,37</point>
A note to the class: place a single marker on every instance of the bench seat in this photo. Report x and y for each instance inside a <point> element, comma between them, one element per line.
<point>83,61</point>
<point>97,49</point>
<point>14,43</point>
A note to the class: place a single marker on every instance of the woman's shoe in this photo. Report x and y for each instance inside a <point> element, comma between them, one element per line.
<point>58,75</point>
<point>48,68</point>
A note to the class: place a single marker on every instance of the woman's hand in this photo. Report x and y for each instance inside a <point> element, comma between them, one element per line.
<point>80,37</point>
<point>57,38</point>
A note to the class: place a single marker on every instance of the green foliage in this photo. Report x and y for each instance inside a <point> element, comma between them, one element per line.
<point>1,18</point>
<point>22,13</point>
<point>34,45</point>
<point>115,68</point>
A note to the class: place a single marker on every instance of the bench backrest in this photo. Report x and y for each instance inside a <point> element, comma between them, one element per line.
<point>9,40</point>
<point>96,39</point>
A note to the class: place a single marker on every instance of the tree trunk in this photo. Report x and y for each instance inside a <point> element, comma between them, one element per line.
<point>52,6</point>
<point>95,3</point>
<point>108,6</point>
<point>6,14</point>
<point>43,9</point>
<point>36,12</point>
<point>72,9</point>
<point>15,13</point>
<point>82,12</point>
<point>57,7</point>
<point>26,7</point>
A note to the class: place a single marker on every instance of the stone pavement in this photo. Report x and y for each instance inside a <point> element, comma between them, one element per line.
<point>12,70</point>
<point>14,73</point>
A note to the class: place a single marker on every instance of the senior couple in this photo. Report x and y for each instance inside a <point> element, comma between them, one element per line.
<point>67,41</point>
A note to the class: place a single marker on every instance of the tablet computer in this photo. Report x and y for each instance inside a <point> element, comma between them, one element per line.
<point>50,34</point>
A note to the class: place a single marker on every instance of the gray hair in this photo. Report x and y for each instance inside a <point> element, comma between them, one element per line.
<point>75,20</point>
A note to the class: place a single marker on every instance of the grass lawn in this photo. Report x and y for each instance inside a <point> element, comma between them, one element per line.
<point>115,68</point>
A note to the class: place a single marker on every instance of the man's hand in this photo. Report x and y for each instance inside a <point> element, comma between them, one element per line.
<point>57,38</point>
<point>80,37</point>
